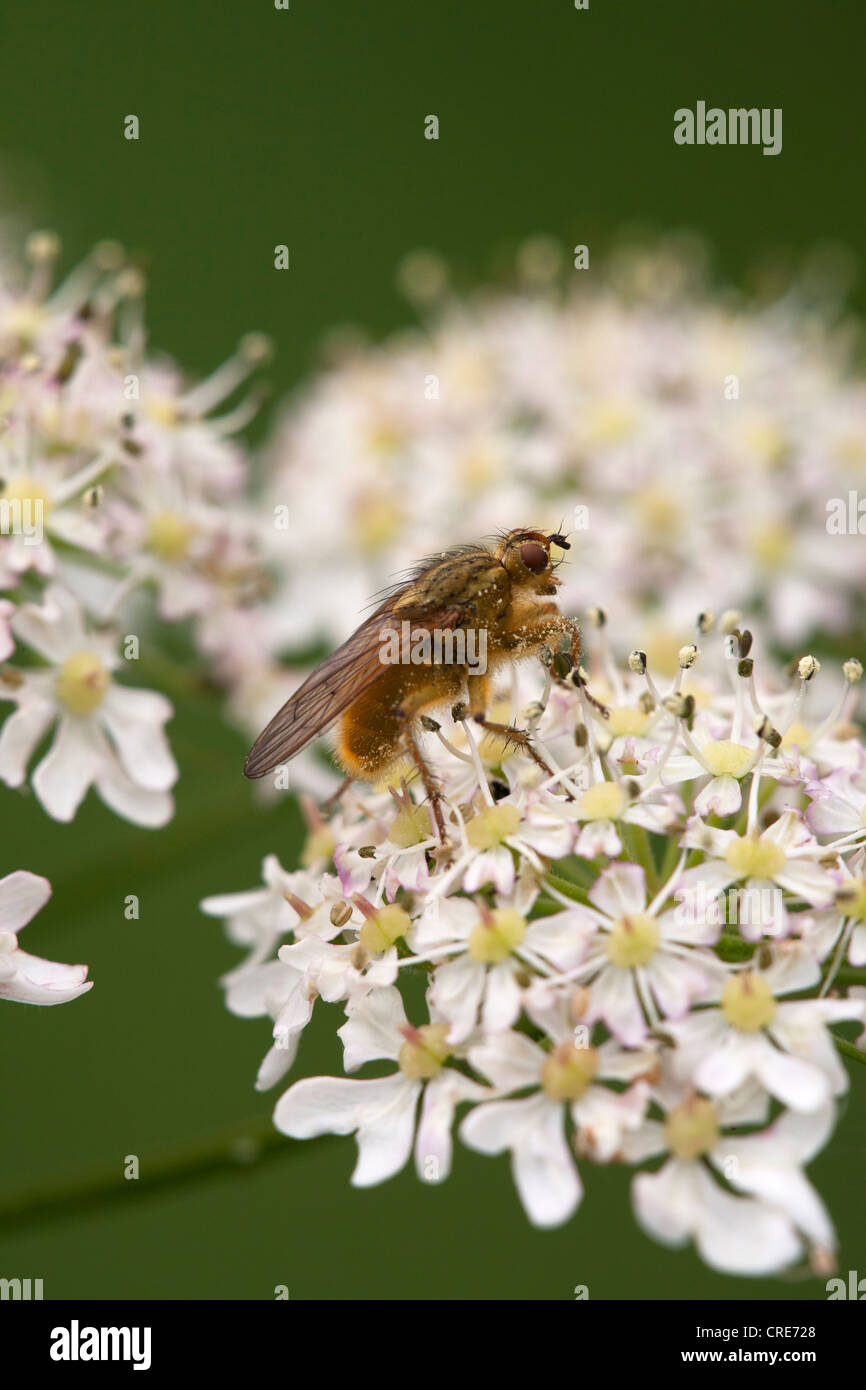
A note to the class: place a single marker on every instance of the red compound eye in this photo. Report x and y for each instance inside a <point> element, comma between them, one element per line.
<point>534,556</point>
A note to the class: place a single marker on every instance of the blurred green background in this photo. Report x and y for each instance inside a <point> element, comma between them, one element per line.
<point>260,127</point>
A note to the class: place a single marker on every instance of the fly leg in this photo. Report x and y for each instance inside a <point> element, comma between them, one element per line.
<point>518,737</point>
<point>428,781</point>
<point>328,806</point>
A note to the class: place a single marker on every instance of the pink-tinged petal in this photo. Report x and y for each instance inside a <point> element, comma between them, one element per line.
<point>598,837</point>
<point>833,815</point>
<point>7,641</point>
<point>22,731</point>
<point>134,720</point>
<point>494,866</point>
<point>647,1141</point>
<point>451,919</point>
<point>38,981</point>
<point>620,890</point>
<point>22,894</point>
<point>790,831</point>
<point>721,797</point>
<point>548,835</point>
<point>381,1112</point>
<point>541,1163</point>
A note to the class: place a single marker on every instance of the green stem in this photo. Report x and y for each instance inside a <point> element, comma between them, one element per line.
<point>248,1146</point>
<point>567,888</point>
<point>637,844</point>
<point>849,1050</point>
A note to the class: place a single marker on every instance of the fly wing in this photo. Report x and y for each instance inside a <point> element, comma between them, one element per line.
<point>324,695</point>
<point>435,597</point>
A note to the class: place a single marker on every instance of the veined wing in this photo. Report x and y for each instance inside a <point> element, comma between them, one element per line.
<point>325,694</point>
<point>427,600</point>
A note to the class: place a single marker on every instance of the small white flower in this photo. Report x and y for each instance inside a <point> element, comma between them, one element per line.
<point>107,735</point>
<point>533,1128</point>
<point>640,959</point>
<point>784,1046</point>
<point>756,1233</point>
<point>382,1112</point>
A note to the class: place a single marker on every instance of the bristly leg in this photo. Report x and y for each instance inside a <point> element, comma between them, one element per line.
<point>518,737</point>
<point>431,787</point>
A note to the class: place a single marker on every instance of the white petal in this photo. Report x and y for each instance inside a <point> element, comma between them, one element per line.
<point>510,1061</point>
<point>372,1030</point>
<point>433,1144</point>
<point>542,1165</point>
<point>21,732</point>
<point>502,998</point>
<point>456,990</point>
<point>134,719</point>
<point>620,890</point>
<point>22,894</point>
<point>38,981</point>
<point>146,808</point>
<point>382,1111</point>
<point>721,797</point>
<point>63,777</point>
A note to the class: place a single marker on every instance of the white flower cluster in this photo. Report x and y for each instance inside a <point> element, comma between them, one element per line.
<point>642,955</point>
<point>697,450</point>
<point>115,479</point>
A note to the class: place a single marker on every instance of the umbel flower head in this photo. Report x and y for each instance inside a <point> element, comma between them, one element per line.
<point>118,480</point>
<point>634,956</point>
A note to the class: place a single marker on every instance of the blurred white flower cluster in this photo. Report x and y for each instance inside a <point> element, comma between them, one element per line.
<point>643,955</point>
<point>699,450</point>
<point>116,481</point>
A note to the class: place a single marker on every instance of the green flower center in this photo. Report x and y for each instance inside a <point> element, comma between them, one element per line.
<point>425,1049</point>
<point>692,1129</point>
<point>568,1071</point>
<point>604,801</point>
<point>492,826</point>
<point>748,1003</point>
<point>633,940</point>
<point>386,926</point>
<point>82,682</point>
<point>494,940</point>
<point>723,758</point>
<point>753,857</point>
